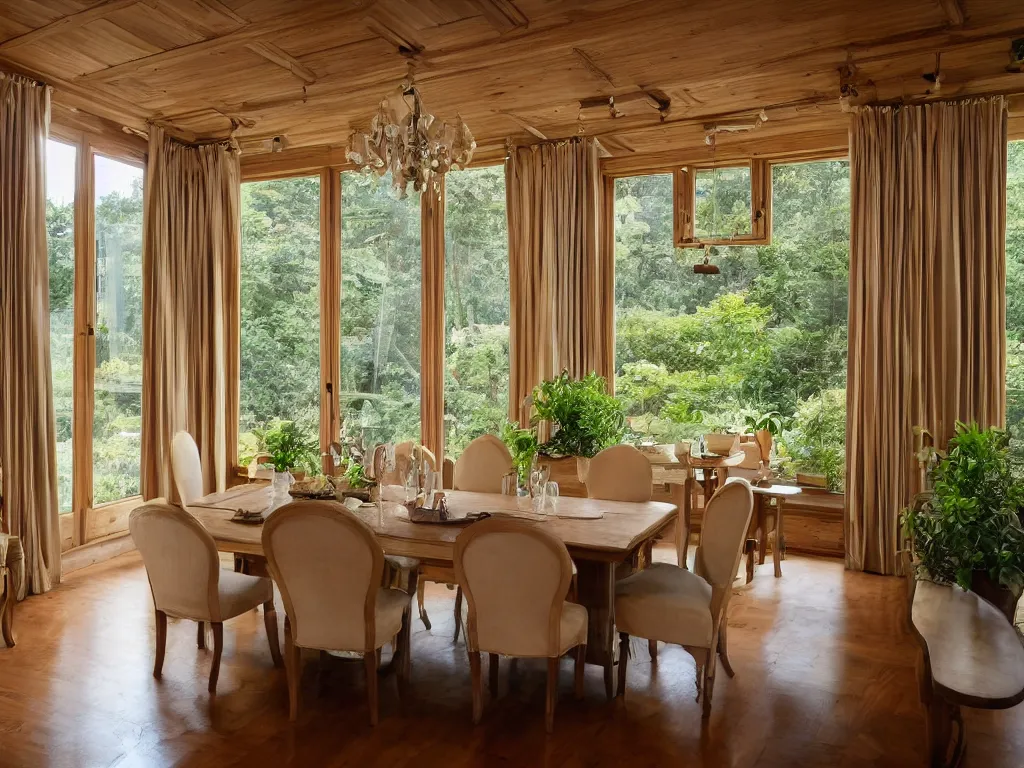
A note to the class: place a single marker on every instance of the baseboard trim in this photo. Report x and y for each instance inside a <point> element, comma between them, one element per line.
<point>96,552</point>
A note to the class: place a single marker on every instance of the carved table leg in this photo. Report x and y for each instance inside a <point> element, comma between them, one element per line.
<point>597,594</point>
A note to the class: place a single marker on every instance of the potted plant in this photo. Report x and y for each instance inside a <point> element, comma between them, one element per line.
<point>288,449</point>
<point>522,444</point>
<point>584,420</point>
<point>967,530</point>
<point>765,428</point>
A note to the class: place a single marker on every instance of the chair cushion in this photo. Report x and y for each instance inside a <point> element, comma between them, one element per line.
<point>573,627</point>
<point>391,603</point>
<point>664,602</point>
<point>240,592</point>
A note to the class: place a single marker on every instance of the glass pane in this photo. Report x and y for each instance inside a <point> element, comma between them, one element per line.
<point>60,240</point>
<point>723,207</point>
<point>280,365</point>
<point>476,302</point>
<point>380,310</point>
<point>701,353</point>
<point>1015,299</point>
<point>117,411</point>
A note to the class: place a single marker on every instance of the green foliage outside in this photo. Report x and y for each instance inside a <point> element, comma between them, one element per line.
<point>702,353</point>
<point>1015,302</point>
<point>971,521</point>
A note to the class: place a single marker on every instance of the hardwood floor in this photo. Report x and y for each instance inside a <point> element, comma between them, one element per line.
<point>824,676</point>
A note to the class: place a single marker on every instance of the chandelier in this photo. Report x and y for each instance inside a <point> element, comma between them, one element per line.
<point>411,144</point>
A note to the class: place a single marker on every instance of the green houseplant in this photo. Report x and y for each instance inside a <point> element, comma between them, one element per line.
<point>522,444</point>
<point>585,419</point>
<point>288,447</point>
<point>968,531</point>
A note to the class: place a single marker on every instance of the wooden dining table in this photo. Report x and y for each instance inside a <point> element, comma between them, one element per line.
<point>603,538</point>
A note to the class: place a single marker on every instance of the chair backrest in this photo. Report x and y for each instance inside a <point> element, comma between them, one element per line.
<point>328,565</point>
<point>186,467</point>
<point>751,456</point>
<point>620,473</point>
<point>405,454</point>
<point>724,532</point>
<point>515,577</point>
<point>181,561</point>
<point>482,465</point>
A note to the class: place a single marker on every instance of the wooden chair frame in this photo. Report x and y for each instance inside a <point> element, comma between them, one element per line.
<point>497,526</point>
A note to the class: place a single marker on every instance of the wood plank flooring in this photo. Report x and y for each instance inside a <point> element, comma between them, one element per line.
<point>824,677</point>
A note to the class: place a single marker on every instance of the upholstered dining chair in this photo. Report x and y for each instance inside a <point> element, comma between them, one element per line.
<point>620,473</point>
<point>480,468</point>
<point>689,608</point>
<point>329,567</point>
<point>751,462</point>
<point>186,467</point>
<point>187,581</point>
<point>515,576</point>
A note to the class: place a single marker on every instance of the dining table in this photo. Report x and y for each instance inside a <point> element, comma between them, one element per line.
<point>604,539</point>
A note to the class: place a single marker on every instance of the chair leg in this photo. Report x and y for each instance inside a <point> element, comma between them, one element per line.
<point>7,606</point>
<point>709,683</point>
<point>552,697</point>
<point>420,589</point>
<point>581,658</point>
<point>652,648</point>
<point>404,647</point>
<point>458,613</point>
<point>723,648</point>
<point>201,635</point>
<point>623,660</point>
<point>493,679</point>
<point>270,621</point>
<point>477,685</point>
<point>161,642</point>
<point>218,649</point>
<point>293,668</point>
<point>370,662</point>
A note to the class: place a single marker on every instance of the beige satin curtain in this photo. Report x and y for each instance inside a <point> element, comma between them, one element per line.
<point>190,345</point>
<point>432,331</point>
<point>27,429</point>
<point>927,300</point>
<point>561,300</point>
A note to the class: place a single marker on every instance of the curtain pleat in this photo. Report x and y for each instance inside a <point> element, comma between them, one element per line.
<point>28,452</point>
<point>432,332</point>
<point>927,344</point>
<point>562,313</point>
<point>191,313</point>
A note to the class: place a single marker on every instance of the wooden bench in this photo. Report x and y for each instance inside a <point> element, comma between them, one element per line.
<point>973,657</point>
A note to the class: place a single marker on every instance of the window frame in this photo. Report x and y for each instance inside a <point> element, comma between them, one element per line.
<point>684,204</point>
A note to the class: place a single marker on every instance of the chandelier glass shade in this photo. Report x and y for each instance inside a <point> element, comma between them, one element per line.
<point>411,144</point>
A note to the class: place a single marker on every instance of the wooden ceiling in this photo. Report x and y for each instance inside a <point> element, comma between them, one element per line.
<point>312,71</point>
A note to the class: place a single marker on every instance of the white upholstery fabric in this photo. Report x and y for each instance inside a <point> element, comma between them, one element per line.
<point>184,568</point>
<point>187,467</point>
<point>620,473</point>
<point>324,561</point>
<point>482,465</point>
<point>724,532</point>
<point>512,580</point>
<point>664,602</point>
<point>240,592</point>
<point>751,456</point>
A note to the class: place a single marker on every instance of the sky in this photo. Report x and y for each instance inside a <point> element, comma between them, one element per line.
<point>111,175</point>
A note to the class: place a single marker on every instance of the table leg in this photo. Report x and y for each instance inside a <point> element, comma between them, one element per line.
<point>596,581</point>
<point>683,520</point>
<point>7,607</point>
<point>780,538</point>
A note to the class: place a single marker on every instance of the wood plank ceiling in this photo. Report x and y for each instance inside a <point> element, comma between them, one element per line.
<point>310,72</point>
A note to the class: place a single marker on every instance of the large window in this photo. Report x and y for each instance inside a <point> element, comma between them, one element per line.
<point>476,298</point>
<point>280,282</point>
<point>60,239</point>
<point>700,353</point>
<point>1015,296</point>
<point>380,310</point>
<point>117,411</point>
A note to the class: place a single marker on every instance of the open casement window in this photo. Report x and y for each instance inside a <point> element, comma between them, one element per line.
<point>722,204</point>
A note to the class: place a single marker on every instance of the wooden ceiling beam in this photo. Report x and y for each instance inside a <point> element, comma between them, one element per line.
<point>503,15</point>
<point>67,23</point>
<point>273,54</point>
<point>276,27</point>
<point>592,67</point>
<point>954,12</point>
<point>523,123</point>
<point>394,32</point>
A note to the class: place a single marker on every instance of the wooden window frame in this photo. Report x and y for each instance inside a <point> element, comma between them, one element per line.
<point>684,199</point>
<point>89,522</point>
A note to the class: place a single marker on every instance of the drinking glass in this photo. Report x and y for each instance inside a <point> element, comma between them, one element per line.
<point>551,495</point>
